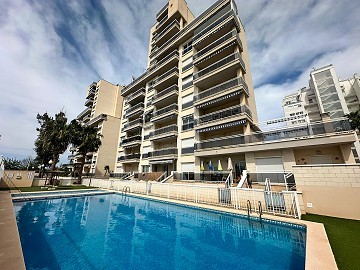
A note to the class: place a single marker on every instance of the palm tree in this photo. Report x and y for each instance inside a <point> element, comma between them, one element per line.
<point>354,119</point>
<point>53,138</point>
<point>86,139</point>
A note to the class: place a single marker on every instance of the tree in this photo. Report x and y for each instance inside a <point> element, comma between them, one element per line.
<point>86,139</point>
<point>354,119</point>
<point>19,164</point>
<point>53,138</point>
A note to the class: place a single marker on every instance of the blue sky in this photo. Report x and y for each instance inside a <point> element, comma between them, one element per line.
<point>52,50</point>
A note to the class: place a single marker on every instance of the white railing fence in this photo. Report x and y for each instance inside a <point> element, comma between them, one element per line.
<point>283,203</point>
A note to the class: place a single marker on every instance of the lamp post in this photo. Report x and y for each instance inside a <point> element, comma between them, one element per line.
<point>51,173</point>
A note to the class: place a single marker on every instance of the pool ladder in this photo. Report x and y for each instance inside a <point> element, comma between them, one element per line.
<point>125,190</point>
<point>249,209</point>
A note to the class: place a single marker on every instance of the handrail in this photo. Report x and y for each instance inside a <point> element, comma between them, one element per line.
<point>248,206</point>
<point>260,209</point>
<point>161,176</point>
<point>222,87</point>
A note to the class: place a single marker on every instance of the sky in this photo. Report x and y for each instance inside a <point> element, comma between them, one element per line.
<point>52,50</point>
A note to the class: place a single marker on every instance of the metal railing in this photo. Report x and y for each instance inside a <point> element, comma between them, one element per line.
<point>283,203</point>
<point>222,87</point>
<point>164,130</point>
<point>96,119</point>
<point>213,25</point>
<point>129,157</point>
<point>160,23</point>
<point>218,115</point>
<point>131,139</point>
<point>172,107</point>
<point>133,123</point>
<point>218,64</point>
<point>162,10</point>
<point>174,22</point>
<point>138,92</point>
<point>216,43</point>
<point>205,176</point>
<point>174,53</point>
<point>166,74</point>
<point>174,88</point>
<point>134,108</point>
<point>301,131</point>
<point>164,152</point>
<point>84,112</point>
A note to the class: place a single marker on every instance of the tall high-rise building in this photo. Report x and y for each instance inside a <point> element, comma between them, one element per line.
<point>326,95</point>
<point>103,109</point>
<point>196,92</point>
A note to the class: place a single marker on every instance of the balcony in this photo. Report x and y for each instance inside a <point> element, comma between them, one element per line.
<point>167,32</point>
<point>223,69</point>
<point>129,158</point>
<point>162,12</point>
<point>97,119</point>
<point>230,114</point>
<point>133,125</point>
<point>83,113</point>
<point>91,93</point>
<point>217,44</point>
<point>86,119</point>
<point>220,91</point>
<point>129,142</point>
<point>164,133</point>
<point>291,134</point>
<point>169,95</point>
<point>165,79</point>
<point>168,152</point>
<point>136,96</point>
<point>135,110</point>
<point>89,102</point>
<point>161,23</point>
<point>70,157</point>
<point>165,63</point>
<point>170,110</point>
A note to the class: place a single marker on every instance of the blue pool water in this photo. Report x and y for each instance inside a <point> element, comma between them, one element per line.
<point>123,232</point>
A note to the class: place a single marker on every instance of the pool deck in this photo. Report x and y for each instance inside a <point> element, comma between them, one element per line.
<point>11,256</point>
<point>319,255</point>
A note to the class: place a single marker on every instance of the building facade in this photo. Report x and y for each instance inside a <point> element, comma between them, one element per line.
<point>326,95</point>
<point>197,86</point>
<point>103,109</point>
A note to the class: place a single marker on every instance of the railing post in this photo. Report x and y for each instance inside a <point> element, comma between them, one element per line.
<point>297,205</point>
<point>196,194</point>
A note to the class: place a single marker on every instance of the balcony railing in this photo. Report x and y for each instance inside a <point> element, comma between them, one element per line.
<point>166,74</point>
<point>84,112</point>
<point>174,53</point>
<point>161,22</point>
<point>165,110</point>
<point>161,34</point>
<point>219,64</point>
<point>160,95</point>
<point>165,130</point>
<point>213,25</point>
<point>217,43</point>
<point>136,93</point>
<point>133,123</point>
<point>164,152</point>
<point>222,87</point>
<point>131,139</point>
<point>307,130</point>
<point>219,115</point>
<point>134,108</point>
<point>162,10</point>
<point>129,157</point>
<point>89,101</point>
<point>97,119</point>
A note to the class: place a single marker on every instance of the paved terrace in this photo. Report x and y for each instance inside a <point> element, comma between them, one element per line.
<point>11,256</point>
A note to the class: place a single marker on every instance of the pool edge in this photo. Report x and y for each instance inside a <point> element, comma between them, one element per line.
<point>11,255</point>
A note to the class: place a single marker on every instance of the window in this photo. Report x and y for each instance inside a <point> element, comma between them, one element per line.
<point>187,47</point>
<point>187,146</point>
<point>187,64</point>
<point>147,117</point>
<point>187,82</point>
<point>188,122</point>
<point>187,101</point>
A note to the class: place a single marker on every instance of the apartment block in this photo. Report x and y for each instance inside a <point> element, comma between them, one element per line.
<point>103,109</point>
<point>197,87</point>
<point>326,96</point>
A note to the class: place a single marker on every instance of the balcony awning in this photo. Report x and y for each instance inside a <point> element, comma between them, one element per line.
<point>165,161</point>
<point>236,123</point>
<point>218,99</point>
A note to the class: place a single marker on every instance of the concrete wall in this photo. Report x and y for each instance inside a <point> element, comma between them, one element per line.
<point>17,178</point>
<point>331,190</point>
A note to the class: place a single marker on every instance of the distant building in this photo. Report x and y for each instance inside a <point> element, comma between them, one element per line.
<point>326,95</point>
<point>103,109</point>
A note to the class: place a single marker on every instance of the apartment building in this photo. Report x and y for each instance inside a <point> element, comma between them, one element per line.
<point>103,109</point>
<point>326,94</point>
<point>197,87</point>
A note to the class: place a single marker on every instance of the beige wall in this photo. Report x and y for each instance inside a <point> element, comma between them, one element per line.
<point>17,178</point>
<point>333,190</point>
<point>108,99</point>
<point>302,155</point>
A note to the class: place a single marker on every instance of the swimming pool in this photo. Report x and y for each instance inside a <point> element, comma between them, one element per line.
<point>125,232</point>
